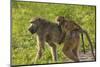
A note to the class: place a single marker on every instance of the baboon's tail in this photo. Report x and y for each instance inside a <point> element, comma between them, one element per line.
<point>89,42</point>
<point>83,43</point>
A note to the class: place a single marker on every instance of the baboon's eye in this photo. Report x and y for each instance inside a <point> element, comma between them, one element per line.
<point>31,22</point>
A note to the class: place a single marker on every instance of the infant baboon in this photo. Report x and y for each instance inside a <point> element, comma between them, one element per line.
<point>72,37</point>
<point>67,25</point>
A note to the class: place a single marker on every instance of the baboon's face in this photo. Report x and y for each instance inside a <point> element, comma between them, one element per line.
<point>60,19</point>
<point>34,26</point>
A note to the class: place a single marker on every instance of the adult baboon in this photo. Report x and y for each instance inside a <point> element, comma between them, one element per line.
<point>47,32</point>
<point>72,37</point>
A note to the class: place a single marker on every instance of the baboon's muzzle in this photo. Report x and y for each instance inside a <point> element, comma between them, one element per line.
<point>32,30</point>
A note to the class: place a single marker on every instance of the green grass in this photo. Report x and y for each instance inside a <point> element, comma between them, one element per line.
<point>24,45</point>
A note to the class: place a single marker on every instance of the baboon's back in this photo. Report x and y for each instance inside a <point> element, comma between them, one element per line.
<point>51,31</point>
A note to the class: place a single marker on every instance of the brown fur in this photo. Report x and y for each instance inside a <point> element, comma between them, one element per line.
<point>72,37</point>
<point>47,32</point>
<point>53,34</point>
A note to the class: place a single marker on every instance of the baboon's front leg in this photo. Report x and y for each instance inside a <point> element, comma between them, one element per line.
<point>53,51</point>
<point>40,43</point>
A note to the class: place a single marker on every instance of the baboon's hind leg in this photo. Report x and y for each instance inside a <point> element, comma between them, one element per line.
<point>76,47</point>
<point>67,50</point>
<point>76,52</point>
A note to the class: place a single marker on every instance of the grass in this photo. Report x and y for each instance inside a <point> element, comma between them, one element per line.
<point>24,45</point>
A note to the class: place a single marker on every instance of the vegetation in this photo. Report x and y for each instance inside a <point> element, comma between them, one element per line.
<point>24,45</point>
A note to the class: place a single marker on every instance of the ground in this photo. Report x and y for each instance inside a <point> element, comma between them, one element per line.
<point>83,57</point>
